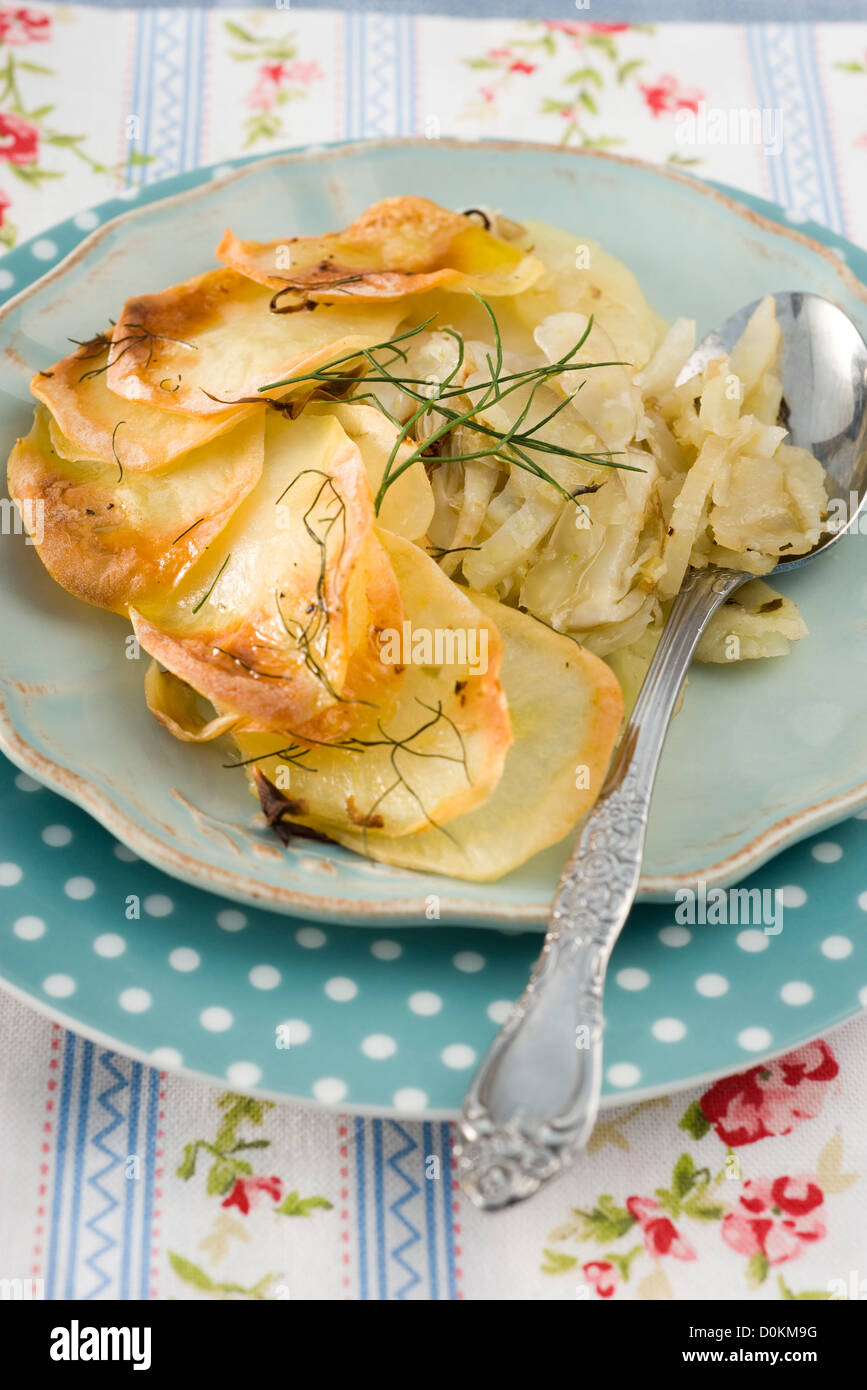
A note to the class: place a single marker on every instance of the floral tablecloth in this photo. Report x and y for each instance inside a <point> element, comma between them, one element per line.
<point>123,1182</point>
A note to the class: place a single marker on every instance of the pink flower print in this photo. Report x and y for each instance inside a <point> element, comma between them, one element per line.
<point>776,1218</point>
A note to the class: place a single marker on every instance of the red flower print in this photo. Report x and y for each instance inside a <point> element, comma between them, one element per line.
<point>776,1218</point>
<point>273,72</point>
<point>521,66</point>
<point>661,1236</point>
<point>5,202</point>
<point>20,26</point>
<point>246,1191</point>
<point>19,140</point>
<point>666,94</point>
<point>500,54</point>
<point>771,1099</point>
<point>603,1277</point>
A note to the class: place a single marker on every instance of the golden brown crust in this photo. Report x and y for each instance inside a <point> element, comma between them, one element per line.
<point>217,340</point>
<point>86,413</point>
<point>113,541</point>
<point>398,247</point>
<point>276,622</point>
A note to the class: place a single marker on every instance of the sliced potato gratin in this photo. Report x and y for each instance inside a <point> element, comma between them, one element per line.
<point>400,511</point>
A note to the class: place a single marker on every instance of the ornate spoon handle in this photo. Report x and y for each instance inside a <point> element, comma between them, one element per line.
<point>533,1103</point>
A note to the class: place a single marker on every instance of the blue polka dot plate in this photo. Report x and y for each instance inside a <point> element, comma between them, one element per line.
<point>760,756</point>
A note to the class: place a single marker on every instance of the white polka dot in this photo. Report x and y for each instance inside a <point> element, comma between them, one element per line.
<point>216,1019</point>
<point>10,874</point>
<point>341,989</point>
<point>311,938</point>
<point>231,920</point>
<point>623,1074</point>
<point>220,171</point>
<point>297,1031</point>
<point>862,997</point>
<point>458,1056</point>
<point>184,958</point>
<point>27,784</point>
<point>675,936</point>
<point>79,888</point>
<point>59,986</point>
<point>386,950</point>
<point>836,947</point>
<point>468,962</point>
<point>29,928</point>
<point>409,1098</point>
<point>44,249</point>
<point>425,1002</point>
<point>792,896</point>
<point>86,221</point>
<point>135,1000</point>
<point>109,945</point>
<point>158,905</point>
<point>500,1010</point>
<point>668,1030</point>
<point>712,986</point>
<point>632,978</point>
<point>827,852</point>
<point>244,1074</point>
<point>125,854</point>
<point>329,1089</point>
<point>796,992</point>
<point>128,194</point>
<point>7,279</point>
<point>753,940</point>
<point>379,1046</point>
<point>166,1058</point>
<point>57,836</point>
<point>754,1039</point>
<point>862,901</point>
<point>264,977</point>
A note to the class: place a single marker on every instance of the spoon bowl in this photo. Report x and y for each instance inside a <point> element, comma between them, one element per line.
<point>823,369</point>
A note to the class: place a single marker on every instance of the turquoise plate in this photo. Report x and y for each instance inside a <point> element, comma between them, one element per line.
<point>759,757</point>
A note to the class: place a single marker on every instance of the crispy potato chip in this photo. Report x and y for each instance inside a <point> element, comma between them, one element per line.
<point>113,538</point>
<point>215,336</point>
<point>86,415</point>
<point>408,506</point>
<point>565,708</point>
<point>277,620</point>
<point>176,705</point>
<point>415,763</point>
<point>398,247</point>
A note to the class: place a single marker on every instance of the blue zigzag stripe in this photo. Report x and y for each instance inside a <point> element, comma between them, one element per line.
<point>412,1190</point>
<point>95,1182</point>
<point>382,53</point>
<point>803,176</point>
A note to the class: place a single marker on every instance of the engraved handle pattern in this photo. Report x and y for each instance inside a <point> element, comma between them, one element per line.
<point>533,1103</point>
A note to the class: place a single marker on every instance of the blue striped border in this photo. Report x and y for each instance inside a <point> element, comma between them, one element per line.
<point>101,1222</point>
<point>404,1217</point>
<point>803,177</point>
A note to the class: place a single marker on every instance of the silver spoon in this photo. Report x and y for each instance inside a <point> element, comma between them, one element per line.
<point>533,1103</point>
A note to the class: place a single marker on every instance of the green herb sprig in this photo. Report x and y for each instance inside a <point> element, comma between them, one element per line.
<point>517,445</point>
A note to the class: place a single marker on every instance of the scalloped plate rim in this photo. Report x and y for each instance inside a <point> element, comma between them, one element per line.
<point>99,803</point>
